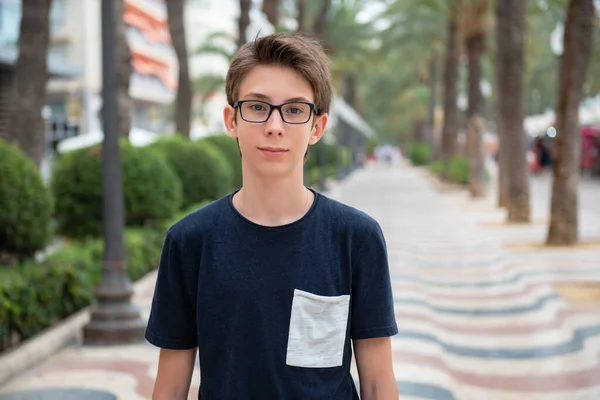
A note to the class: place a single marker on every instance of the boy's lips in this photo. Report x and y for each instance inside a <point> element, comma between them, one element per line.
<point>273,149</point>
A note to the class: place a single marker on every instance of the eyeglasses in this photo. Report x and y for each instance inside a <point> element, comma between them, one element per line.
<point>256,111</point>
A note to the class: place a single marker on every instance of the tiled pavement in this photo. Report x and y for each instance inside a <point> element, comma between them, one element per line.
<point>476,322</point>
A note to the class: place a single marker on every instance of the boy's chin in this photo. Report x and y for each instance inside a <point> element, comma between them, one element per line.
<point>273,170</point>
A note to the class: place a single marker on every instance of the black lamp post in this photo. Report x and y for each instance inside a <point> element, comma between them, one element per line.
<point>115,319</point>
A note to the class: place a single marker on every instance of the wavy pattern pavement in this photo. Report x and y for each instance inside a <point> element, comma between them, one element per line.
<point>475,321</point>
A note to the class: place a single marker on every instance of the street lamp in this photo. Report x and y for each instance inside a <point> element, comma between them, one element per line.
<point>115,319</point>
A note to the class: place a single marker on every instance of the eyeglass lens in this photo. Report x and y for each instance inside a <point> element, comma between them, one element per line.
<point>257,111</point>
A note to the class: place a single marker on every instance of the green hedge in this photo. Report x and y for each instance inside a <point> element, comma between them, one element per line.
<point>151,190</point>
<point>437,167</point>
<point>202,169</point>
<point>25,206</point>
<point>35,296</point>
<point>419,153</point>
<point>229,148</point>
<point>459,170</point>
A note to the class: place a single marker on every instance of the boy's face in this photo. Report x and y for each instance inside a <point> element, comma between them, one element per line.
<point>273,148</point>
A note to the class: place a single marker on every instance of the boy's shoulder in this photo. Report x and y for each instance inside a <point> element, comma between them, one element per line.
<point>197,223</point>
<point>351,220</point>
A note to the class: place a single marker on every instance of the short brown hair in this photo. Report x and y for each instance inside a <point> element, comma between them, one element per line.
<point>303,54</point>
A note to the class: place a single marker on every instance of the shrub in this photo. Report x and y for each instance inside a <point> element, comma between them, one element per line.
<point>328,151</point>
<point>419,153</point>
<point>344,155</point>
<point>202,169</point>
<point>35,296</point>
<point>229,148</point>
<point>459,170</point>
<point>437,167</point>
<point>313,176</point>
<point>25,206</point>
<point>151,189</point>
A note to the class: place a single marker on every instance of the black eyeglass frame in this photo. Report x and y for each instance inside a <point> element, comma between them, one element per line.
<point>313,109</point>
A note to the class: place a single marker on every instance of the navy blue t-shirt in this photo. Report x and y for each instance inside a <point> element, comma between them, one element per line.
<point>273,310</point>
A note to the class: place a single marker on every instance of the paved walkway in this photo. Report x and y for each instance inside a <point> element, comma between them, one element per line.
<point>476,321</point>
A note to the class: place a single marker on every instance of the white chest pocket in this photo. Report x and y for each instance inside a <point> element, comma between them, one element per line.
<point>317,330</point>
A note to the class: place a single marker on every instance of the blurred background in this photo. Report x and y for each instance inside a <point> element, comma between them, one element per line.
<point>469,128</point>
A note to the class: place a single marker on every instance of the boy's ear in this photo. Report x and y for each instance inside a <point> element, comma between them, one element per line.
<point>318,129</point>
<point>229,114</point>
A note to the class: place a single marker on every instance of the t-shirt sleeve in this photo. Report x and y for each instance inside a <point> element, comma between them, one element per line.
<point>372,298</point>
<point>172,321</point>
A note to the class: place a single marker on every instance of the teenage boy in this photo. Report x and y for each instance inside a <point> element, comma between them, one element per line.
<point>273,284</point>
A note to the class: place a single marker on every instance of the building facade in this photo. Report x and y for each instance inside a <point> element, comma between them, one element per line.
<point>75,62</point>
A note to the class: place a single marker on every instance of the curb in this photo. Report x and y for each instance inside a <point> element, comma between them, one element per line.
<point>50,341</point>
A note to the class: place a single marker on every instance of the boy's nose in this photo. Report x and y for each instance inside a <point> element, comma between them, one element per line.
<point>275,124</point>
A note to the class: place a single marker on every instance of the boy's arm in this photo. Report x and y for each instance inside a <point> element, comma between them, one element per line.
<point>375,370</point>
<point>175,368</point>
<point>373,317</point>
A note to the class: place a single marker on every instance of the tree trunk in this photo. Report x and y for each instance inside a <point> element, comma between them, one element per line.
<point>430,129</point>
<point>475,45</point>
<point>419,131</point>
<point>514,177</point>
<point>26,125</point>
<point>243,21</point>
<point>183,102</point>
<point>450,123</point>
<point>300,16</point>
<point>574,63</point>
<point>350,86</point>
<point>271,10</point>
<point>320,26</point>
<point>124,71</point>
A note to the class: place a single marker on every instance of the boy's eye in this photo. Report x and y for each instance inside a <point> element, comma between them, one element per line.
<point>257,107</point>
<point>295,110</point>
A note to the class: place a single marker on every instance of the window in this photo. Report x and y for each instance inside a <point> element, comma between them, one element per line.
<point>58,15</point>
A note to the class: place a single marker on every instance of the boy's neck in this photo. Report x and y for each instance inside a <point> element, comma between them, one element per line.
<point>273,202</point>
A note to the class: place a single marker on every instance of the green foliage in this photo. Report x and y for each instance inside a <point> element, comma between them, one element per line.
<point>372,145</point>
<point>419,153</point>
<point>326,151</point>
<point>35,296</point>
<point>437,167</point>
<point>25,205</point>
<point>459,170</point>
<point>344,156</point>
<point>229,148</point>
<point>203,170</point>
<point>151,189</point>
<point>313,176</point>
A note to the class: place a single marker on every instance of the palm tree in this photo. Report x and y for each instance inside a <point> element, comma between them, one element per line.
<point>474,37</point>
<point>320,25</point>
<point>124,70</point>
<point>300,12</point>
<point>414,24</point>
<point>26,126</point>
<point>223,45</point>
<point>574,63</point>
<point>514,179</point>
<point>451,61</point>
<point>271,10</point>
<point>243,21</point>
<point>346,41</point>
<point>183,102</point>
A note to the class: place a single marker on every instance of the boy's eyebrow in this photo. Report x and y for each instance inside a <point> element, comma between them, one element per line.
<point>257,95</point>
<point>267,98</point>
